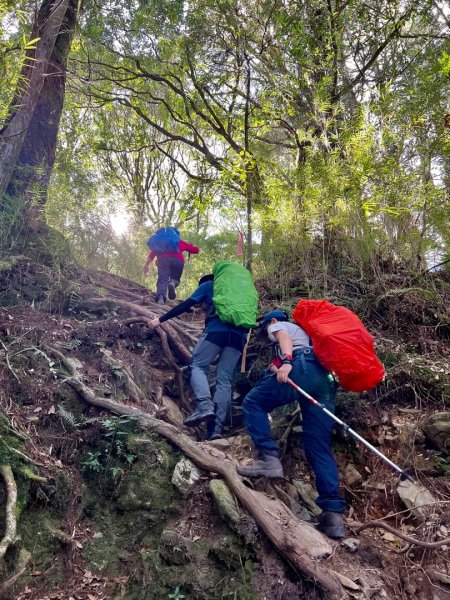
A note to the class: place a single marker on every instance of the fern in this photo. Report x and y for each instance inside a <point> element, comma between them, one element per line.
<point>68,417</point>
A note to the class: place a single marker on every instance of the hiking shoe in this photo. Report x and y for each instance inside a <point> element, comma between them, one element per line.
<point>331,524</point>
<point>160,300</point>
<point>216,435</point>
<point>265,466</point>
<point>171,290</point>
<point>199,416</point>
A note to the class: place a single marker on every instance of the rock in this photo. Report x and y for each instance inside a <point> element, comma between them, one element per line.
<point>437,430</point>
<point>346,581</point>
<point>175,548</point>
<point>417,498</point>
<point>230,511</point>
<point>146,485</point>
<point>225,501</point>
<point>299,511</point>
<point>292,491</point>
<point>185,475</point>
<point>308,495</point>
<point>371,589</point>
<point>351,474</point>
<point>173,413</point>
<point>352,544</point>
<point>75,363</point>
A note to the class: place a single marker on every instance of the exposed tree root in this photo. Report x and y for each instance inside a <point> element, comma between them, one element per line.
<point>62,537</point>
<point>402,536</point>
<point>5,588</point>
<point>10,517</point>
<point>95,303</point>
<point>132,389</point>
<point>169,356</point>
<point>173,364</point>
<point>292,537</point>
<point>137,297</point>
<point>294,416</point>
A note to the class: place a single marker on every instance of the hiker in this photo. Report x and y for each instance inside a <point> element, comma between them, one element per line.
<point>221,339</point>
<point>167,246</point>
<point>295,359</point>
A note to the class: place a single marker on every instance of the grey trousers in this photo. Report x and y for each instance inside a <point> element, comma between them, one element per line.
<point>203,355</point>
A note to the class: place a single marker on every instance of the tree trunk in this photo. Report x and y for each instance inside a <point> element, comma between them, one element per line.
<point>28,143</point>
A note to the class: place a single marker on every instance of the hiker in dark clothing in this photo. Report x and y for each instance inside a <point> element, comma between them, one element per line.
<point>295,359</point>
<point>170,268</point>
<point>218,339</point>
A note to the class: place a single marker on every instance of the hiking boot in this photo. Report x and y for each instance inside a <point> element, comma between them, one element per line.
<point>331,524</point>
<point>160,300</point>
<point>265,466</point>
<point>216,435</point>
<point>171,290</point>
<point>198,416</point>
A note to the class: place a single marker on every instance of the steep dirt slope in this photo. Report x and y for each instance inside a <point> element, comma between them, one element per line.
<point>99,511</point>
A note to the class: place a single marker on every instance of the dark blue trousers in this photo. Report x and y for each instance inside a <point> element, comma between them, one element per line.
<point>169,267</point>
<point>268,394</point>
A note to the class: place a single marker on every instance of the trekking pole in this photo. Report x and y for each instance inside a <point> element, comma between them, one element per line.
<point>346,428</point>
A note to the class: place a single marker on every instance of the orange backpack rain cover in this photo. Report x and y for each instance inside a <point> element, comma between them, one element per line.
<point>341,343</point>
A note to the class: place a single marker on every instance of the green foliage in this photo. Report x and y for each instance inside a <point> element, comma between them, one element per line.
<point>11,220</point>
<point>442,465</point>
<point>176,594</point>
<point>111,456</point>
<point>326,133</point>
<point>15,41</point>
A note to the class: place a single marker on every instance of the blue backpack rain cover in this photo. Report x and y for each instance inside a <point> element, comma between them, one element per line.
<point>165,239</point>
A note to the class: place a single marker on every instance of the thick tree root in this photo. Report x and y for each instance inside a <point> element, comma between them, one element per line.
<point>290,536</point>
<point>185,354</point>
<point>10,518</point>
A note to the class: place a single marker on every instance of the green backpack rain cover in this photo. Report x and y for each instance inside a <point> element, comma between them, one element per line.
<point>235,296</point>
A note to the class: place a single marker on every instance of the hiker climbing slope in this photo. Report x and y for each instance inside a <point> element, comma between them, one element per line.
<point>167,246</point>
<point>231,304</point>
<point>295,359</point>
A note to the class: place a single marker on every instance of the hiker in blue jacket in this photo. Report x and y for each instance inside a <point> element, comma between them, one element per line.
<point>295,359</point>
<point>218,339</point>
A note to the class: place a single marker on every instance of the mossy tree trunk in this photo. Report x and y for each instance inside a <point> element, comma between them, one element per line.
<point>28,141</point>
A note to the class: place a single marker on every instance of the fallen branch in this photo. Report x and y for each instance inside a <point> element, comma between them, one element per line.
<point>293,538</point>
<point>403,536</point>
<point>10,516</point>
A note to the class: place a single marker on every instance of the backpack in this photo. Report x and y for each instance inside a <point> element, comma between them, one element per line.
<point>164,240</point>
<point>234,295</point>
<point>341,343</point>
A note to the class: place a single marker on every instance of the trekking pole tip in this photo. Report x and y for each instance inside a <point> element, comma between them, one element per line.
<point>405,475</point>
